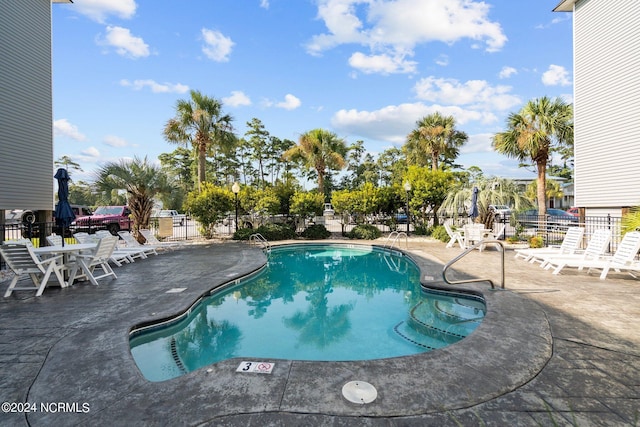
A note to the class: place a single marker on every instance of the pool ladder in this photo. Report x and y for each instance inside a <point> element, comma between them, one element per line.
<point>393,237</point>
<point>467,251</point>
<point>258,239</point>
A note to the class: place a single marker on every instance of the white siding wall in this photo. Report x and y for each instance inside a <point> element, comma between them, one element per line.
<point>26,134</point>
<point>607,103</point>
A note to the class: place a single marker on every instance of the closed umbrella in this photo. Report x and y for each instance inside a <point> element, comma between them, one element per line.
<point>63,213</point>
<point>473,212</point>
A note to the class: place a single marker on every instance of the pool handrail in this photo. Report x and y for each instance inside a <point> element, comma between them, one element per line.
<point>396,235</point>
<point>467,251</point>
<point>259,239</point>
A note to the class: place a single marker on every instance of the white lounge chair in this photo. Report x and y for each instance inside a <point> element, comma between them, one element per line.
<point>131,242</point>
<point>88,262</point>
<point>622,259</point>
<point>152,240</point>
<point>455,236</point>
<point>570,245</point>
<point>22,260</point>
<point>596,249</point>
<point>119,256</point>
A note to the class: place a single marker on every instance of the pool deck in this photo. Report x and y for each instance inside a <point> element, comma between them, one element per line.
<point>553,350</point>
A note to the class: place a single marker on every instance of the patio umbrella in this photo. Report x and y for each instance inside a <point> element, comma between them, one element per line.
<point>63,213</point>
<point>473,212</point>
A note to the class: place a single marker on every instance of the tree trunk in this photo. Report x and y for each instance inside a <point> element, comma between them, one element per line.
<point>202,165</point>
<point>542,188</point>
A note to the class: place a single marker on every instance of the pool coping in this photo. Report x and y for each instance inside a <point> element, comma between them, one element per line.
<point>474,370</point>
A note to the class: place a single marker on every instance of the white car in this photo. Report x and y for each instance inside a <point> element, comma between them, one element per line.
<point>500,210</point>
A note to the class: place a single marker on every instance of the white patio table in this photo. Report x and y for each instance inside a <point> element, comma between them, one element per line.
<point>66,251</point>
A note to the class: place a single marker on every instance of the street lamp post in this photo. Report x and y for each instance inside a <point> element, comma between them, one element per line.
<point>236,189</point>
<point>407,188</point>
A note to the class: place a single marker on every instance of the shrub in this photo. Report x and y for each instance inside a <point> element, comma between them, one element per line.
<point>440,233</point>
<point>364,231</point>
<point>270,232</point>
<point>536,242</point>
<point>317,231</point>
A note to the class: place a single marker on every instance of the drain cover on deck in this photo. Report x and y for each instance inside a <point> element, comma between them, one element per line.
<point>359,392</point>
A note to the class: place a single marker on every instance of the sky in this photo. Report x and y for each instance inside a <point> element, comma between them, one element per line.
<point>364,69</point>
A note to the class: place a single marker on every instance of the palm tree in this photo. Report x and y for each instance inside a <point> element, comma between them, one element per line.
<point>541,127</point>
<point>141,180</point>
<point>492,191</point>
<point>434,136</point>
<point>320,150</point>
<point>200,122</point>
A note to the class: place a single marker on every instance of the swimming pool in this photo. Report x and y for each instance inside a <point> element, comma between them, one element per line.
<point>330,302</point>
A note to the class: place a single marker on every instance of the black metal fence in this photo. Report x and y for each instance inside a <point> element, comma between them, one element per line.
<point>522,227</point>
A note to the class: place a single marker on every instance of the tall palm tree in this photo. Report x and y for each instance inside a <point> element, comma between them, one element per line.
<point>141,180</point>
<point>199,122</point>
<point>541,127</point>
<point>320,150</point>
<point>435,135</point>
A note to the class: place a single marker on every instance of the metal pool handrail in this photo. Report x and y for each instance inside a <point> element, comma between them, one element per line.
<point>259,239</point>
<point>396,235</point>
<point>463,254</point>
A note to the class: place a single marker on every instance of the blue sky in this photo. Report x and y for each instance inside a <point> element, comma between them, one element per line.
<point>364,69</point>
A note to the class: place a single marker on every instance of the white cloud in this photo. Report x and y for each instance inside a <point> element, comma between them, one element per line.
<point>478,143</point>
<point>155,87</point>
<point>237,99</point>
<point>507,72</point>
<point>442,60</point>
<point>475,93</point>
<point>217,46</point>
<point>556,75</point>
<point>98,10</point>
<point>290,102</point>
<point>91,152</point>
<point>394,28</point>
<point>115,141</point>
<point>383,64</point>
<point>124,42</point>
<point>63,128</point>
<point>394,122</point>
<point>264,4</point>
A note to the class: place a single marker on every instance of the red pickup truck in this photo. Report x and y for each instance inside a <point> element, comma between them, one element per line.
<point>112,218</point>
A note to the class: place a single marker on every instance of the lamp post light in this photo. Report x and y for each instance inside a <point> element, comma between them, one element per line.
<point>236,189</point>
<point>407,188</point>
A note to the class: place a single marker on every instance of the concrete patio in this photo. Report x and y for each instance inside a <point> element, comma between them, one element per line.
<point>553,350</point>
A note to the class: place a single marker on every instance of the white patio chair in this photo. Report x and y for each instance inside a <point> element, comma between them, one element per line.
<point>455,236</point>
<point>54,240</point>
<point>622,259</point>
<point>570,245</point>
<point>22,260</point>
<point>596,249</point>
<point>473,233</point>
<point>88,262</point>
<point>131,242</point>
<point>152,240</point>
<point>119,256</point>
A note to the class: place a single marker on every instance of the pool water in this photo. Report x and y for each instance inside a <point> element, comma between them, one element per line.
<point>312,302</point>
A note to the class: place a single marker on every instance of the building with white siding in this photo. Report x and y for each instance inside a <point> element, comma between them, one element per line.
<point>606,67</point>
<point>26,116</point>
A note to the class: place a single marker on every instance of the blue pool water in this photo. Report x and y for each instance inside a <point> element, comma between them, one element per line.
<point>312,302</point>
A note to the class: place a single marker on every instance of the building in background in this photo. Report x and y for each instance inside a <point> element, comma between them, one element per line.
<point>606,68</point>
<point>26,106</point>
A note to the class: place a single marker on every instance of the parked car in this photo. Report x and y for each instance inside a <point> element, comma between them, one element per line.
<point>178,218</point>
<point>500,211</point>
<point>556,218</point>
<point>573,211</point>
<point>112,218</point>
<point>328,210</point>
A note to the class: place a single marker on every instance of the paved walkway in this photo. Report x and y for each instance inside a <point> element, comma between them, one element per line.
<point>553,350</point>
